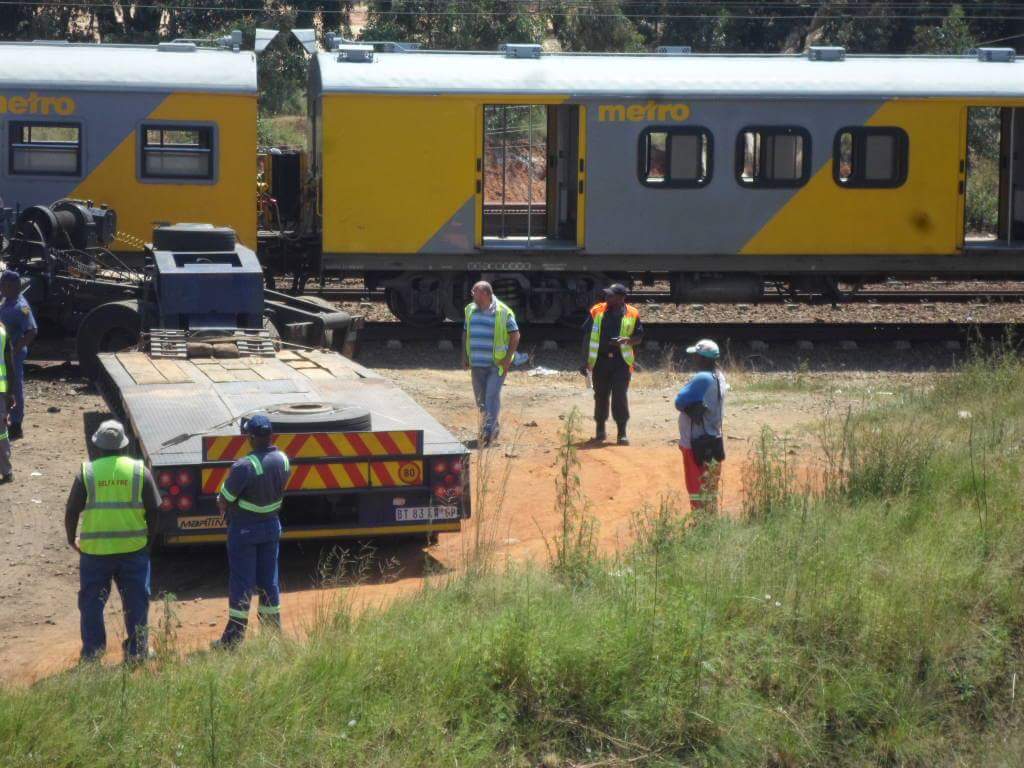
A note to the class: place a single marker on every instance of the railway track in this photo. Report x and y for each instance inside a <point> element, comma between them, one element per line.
<point>679,334</point>
<point>863,297</point>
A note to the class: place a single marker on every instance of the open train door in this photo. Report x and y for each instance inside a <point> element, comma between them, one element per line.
<point>1011,175</point>
<point>993,206</point>
<point>530,169</point>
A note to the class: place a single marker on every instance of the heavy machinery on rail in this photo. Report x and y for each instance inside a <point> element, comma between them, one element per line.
<point>547,174</point>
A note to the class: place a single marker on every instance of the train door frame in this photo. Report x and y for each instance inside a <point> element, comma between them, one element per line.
<point>1009,230</point>
<point>564,180</point>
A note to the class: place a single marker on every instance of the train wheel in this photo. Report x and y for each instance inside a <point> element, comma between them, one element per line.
<point>581,293</point>
<point>417,300</point>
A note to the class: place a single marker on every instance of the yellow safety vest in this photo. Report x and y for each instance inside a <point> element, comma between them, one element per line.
<point>501,316</point>
<point>114,518</point>
<point>3,365</point>
<point>632,314</point>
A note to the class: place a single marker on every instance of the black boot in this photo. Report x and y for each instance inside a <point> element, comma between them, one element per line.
<point>623,439</point>
<point>234,634</point>
<point>15,432</point>
<point>600,436</point>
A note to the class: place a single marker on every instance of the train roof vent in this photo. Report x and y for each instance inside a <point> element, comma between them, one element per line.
<point>177,46</point>
<point>520,50</point>
<point>1000,55</point>
<point>674,50</point>
<point>355,53</point>
<point>826,53</point>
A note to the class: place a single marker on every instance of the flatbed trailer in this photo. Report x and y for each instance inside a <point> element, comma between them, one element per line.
<point>407,475</point>
<point>366,459</point>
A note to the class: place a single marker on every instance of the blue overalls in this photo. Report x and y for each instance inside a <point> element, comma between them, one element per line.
<point>254,489</point>
<point>17,316</point>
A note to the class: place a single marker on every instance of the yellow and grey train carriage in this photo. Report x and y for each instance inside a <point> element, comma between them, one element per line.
<point>547,174</point>
<point>162,133</point>
<point>550,173</point>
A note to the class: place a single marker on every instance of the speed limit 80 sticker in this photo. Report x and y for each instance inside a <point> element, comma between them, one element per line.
<point>385,474</point>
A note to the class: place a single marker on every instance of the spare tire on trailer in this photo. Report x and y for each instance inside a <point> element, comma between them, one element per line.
<point>319,417</point>
<point>109,327</point>
<point>193,238</point>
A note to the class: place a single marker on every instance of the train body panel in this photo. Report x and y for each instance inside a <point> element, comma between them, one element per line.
<point>720,217</point>
<point>923,215</point>
<point>399,172</point>
<point>160,134</point>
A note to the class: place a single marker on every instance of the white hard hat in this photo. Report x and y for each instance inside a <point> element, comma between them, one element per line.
<point>704,348</point>
<point>110,436</point>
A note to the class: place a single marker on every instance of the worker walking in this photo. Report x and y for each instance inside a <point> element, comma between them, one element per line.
<point>16,314</point>
<point>701,406</point>
<point>6,402</point>
<point>250,500</point>
<point>490,338</point>
<point>610,335</point>
<point>117,502</point>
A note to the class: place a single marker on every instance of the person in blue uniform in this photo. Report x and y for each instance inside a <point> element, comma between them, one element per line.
<point>16,315</point>
<point>250,500</point>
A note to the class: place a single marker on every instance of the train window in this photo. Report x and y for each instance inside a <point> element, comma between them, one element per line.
<point>870,157</point>
<point>45,149</point>
<point>675,157</point>
<point>177,152</point>
<point>773,157</point>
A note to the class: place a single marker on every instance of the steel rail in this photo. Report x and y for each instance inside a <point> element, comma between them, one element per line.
<point>661,297</point>
<point>687,333</point>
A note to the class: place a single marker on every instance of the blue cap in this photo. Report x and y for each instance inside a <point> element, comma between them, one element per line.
<point>10,276</point>
<point>256,425</point>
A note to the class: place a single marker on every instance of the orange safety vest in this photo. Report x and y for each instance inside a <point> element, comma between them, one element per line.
<point>629,320</point>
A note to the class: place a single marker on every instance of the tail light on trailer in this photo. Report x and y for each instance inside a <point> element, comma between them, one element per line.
<point>447,476</point>
<point>177,488</point>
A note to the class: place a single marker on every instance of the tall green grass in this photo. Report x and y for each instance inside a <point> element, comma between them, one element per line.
<point>865,611</point>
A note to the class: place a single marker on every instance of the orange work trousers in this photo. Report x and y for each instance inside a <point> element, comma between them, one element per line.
<point>701,481</point>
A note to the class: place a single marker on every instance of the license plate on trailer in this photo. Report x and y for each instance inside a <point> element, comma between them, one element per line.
<point>419,514</point>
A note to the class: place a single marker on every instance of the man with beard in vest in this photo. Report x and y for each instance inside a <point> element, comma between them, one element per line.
<point>490,338</point>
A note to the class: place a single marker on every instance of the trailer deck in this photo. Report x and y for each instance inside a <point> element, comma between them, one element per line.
<point>361,484</point>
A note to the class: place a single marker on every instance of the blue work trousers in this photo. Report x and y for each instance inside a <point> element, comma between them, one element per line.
<point>16,382</point>
<point>130,572</point>
<point>487,383</point>
<point>253,548</point>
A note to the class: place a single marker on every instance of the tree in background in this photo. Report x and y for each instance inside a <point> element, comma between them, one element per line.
<point>597,25</point>
<point>283,64</point>
<point>453,24</point>
<point>953,35</point>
